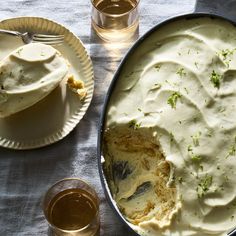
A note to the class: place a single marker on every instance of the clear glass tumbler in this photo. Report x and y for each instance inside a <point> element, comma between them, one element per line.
<point>71,207</point>
<point>115,20</point>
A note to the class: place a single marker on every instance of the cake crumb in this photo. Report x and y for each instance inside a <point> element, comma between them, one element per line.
<point>77,86</point>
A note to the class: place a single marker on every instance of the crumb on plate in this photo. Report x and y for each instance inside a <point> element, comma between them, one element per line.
<point>77,86</point>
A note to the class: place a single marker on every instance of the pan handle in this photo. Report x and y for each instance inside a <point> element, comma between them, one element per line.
<point>224,8</point>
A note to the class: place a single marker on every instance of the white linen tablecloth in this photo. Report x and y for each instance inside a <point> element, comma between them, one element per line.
<point>26,175</point>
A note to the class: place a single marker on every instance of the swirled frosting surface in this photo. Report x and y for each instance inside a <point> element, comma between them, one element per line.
<point>174,105</point>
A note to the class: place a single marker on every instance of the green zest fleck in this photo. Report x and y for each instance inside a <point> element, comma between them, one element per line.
<point>196,64</point>
<point>195,139</point>
<point>172,100</point>
<point>181,72</point>
<point>196,158</point>
<point>190,149</point>
<point>158,67</point>
<point>226,178</point>
<point>215,79</point>
<point>171,137</point>
<point>133,124</point>
<point>19,51</point>
<point>204,185</point>
<point>222,109</point>
<point>186,90</point>
<point>226,55</point>
<point>232,149</point>
<point>201,167</point>
<point>139,109</point>
<point>222,187</point>
<point>209,132</point>
<point>195,119</point>
<point>180,179</point>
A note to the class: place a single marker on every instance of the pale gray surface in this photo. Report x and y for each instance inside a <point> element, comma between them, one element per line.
<point>26,175</point>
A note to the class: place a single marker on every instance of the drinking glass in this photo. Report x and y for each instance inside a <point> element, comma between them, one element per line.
<point>71,207</point>
<point>115,20</point>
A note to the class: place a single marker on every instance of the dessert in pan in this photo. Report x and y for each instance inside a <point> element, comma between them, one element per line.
<point>169,140</point>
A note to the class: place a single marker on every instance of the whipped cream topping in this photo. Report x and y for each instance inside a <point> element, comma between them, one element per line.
<point>177,91</point>
<point>27,75</point>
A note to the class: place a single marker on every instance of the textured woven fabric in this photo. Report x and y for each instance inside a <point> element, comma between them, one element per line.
<point>26,175</point>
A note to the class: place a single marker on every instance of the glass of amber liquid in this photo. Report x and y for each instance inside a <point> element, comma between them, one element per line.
<point>71,207</point>
<point>115,20</point>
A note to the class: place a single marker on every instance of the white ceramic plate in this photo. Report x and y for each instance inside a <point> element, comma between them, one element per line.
<point>55,116</point>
